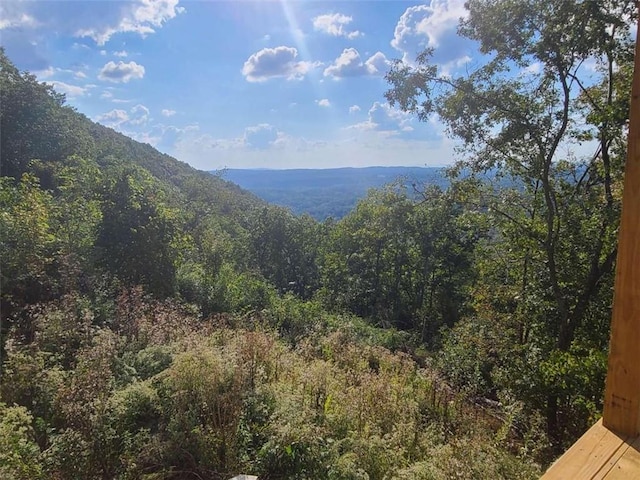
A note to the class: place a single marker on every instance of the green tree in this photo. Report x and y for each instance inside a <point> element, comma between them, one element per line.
<point>404,263</point>
<point>27,243</point>
<point>284,249</point>
<point>560,218</point>
<point>34,123</point>
<point>135,240</point>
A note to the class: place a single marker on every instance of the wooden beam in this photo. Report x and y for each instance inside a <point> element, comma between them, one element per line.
<point>622,392</point>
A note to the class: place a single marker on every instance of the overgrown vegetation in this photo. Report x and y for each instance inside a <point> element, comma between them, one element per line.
<point>158,322</point>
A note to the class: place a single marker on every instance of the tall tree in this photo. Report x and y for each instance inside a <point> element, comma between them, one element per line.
<point>524,122</point>
<point>135,240</point>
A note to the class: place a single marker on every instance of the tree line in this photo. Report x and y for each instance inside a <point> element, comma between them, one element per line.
<point>127,278</point>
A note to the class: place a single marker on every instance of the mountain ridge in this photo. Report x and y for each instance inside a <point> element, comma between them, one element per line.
<point>330,192</point>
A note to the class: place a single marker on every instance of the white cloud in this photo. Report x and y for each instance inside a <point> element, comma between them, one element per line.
<point>324,102</point>
<point>142,17</point>
<point>136,116</point>
<point>139,115</point>
<point>51,71</point>
<point>532,69</point>
<point>121,72</point>
<point>351,148</point>
<point>275,62</point>
<point>114,117</point>
<point>10,19</point>
<point>46,73</point>
<point>167,112</point>
<point>334,24</point>
<point>67,89</point>
<point>430,26</point>
<point>121,53</point>
<point>354,109</point>
<point>349,64</point>
<point>391,122</point>
<point>447,68</point>
<point>260,136</point>
<point>103,53</point>
<point>377,64</point>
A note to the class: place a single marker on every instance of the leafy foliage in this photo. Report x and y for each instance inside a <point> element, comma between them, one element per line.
<point>158,322</point>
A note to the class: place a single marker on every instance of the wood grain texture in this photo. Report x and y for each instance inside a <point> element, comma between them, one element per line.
<point>589,456</point>
<point>628,467</point>
<point>622,393</point>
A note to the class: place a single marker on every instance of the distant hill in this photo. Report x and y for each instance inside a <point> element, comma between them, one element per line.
<point>329,192</point>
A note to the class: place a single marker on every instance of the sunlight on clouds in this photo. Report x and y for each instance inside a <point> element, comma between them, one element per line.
<point>350,64</point>
<point>276,62</point>
<point>334,25</point>
<point>142,17</point>
<point>114,118</point>
<point>121,72</point>
<point>431,26</point>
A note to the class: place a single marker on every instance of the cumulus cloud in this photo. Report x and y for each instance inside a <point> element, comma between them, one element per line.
<point>334,24</point>
<point>26,27</point>
<point>275,62</point>
<point>350,64</point>
<point>323,102</point>
<point>142,17</point>
<point>167,112</point>
<point>377,64</point>
<point>139,115</point>
<point>114,117</point>
<point>121,53</point>
<point>430,26</point>
<point>391,122</point>
<point>121,72</point>
<point>354,109</point>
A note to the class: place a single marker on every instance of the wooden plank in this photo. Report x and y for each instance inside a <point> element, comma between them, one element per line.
<point>628,467</point>
<point>622,392</point>
<point>612,462</point>
<point>588,455</point>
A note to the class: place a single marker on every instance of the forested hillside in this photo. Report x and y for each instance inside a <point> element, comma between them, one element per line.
<point>159,322</point>
<point>331,192</point>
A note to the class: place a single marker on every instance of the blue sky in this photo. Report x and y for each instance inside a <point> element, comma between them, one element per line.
<point>243,84</point>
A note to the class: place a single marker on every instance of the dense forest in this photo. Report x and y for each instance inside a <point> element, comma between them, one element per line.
<point>328,192</point>
<point>159,322</point>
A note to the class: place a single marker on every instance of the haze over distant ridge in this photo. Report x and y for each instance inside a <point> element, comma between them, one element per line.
<point>330,192</point>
